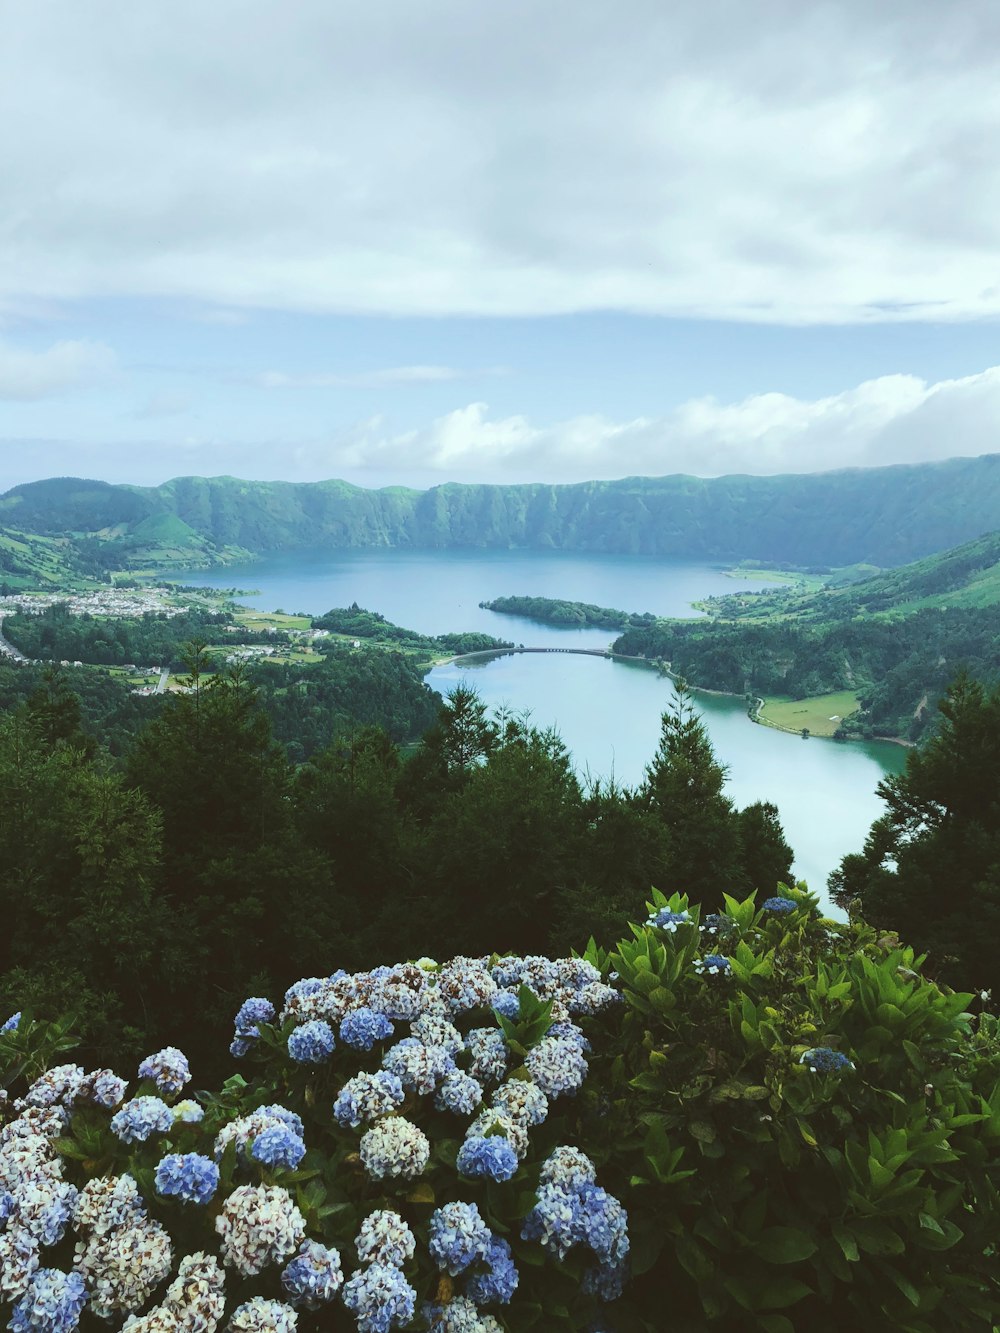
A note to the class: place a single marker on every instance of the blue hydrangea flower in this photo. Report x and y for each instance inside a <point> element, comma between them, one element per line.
<point>714,964</point>
<point>603,1280</point>
<point>458,1237</point>
<point>188,1176</point>
<point>667,920</point>
<point>301,989</point>
<point>380,1298</point>
<point>282,1113</point>
<point>418,1067</point>
<point>239,1046</point>
<point>12,1023</point>
<point>507,1005</point>
<point>314,1276</point>
<point>779,906</point>
<point>825,1060</point>
<point>168,1069</point>
<point>105,1088</point>
<point>491,1157</point>
<point>277,1145</point>
<point>459,1092</point>
<point>366,1097</point>
<point>140,1118</point>
<point>498,1284</point>
<point>362,1028</point>
<point>311,1043</point>
<point>52,1304</point>
<point>251,1012</point>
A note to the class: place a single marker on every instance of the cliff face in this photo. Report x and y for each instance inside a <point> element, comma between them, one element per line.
<point>882,516</point>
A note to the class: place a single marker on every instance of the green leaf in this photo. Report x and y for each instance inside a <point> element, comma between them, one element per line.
<point>784,1245</point>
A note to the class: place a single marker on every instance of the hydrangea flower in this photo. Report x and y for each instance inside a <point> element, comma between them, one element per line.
<point>488,1050</point>
<point>714,964</point>
<point>665,919</point>
<point>168,1069</point>
<point>367,1097</point>
<point>498,1284</point>
<point>314,1276</point>
<point>362,1028</point>
<point>395,1147</point>
<point>140,1118</point>
<point>259,1226</point>
<point>779,906</point>
<point>825,1060</point>
<point>521,1100</point>
<point>122,1267</point>
<point>492,1158</point>
<point>277,1145</point>
<point>385,1238</point>
<point>458,1315</point>
<point>604,1280</point>
<point>507,1005</point>
<point>250,1013</point>
<point>418,1067</point>
<point>52,1303</point>
<point>458,1237</point>
<point>492,1123</point>
<point>260,1316</point>
<point>60,1086</point>
<point>311,1043</point>
<point>188,1176</point>
<point>557,1065</point>
<point>282,1114</point>
<point>380,1298</point>
<point>568,1168</point>
<point>105,1204</point>
<point>458,1092</point>
<point>11,1024</point>
<point>239,1046</point>
<point>19,1261</point>
<point>105,1088</point>
<point>194,1302</point>
<point>44,1207</point>
<point>189,1112</point>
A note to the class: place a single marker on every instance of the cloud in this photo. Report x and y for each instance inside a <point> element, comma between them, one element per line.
<point>892,419</point>
<point>65,365</point>
<point>777,161</point>
<point>163,403</point>
<point>371,379</point>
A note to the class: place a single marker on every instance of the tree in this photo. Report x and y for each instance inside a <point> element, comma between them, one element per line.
<point>683,785</point>
<point>930,867</point>
<point>765,855</point>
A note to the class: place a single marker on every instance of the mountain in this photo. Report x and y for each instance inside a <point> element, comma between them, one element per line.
<point>880,516</point>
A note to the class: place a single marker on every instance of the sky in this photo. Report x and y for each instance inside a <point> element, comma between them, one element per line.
<point>413,243</point>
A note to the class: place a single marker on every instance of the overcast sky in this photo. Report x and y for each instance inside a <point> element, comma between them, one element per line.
<point>554,240</point>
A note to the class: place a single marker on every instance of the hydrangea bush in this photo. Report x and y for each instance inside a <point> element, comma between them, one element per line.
<point>758,1120</point>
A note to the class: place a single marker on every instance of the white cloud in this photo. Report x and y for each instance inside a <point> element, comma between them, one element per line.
<point>65,365</point>
<point>893,419</point>
<point>773,161</point>
<point>370,379</point>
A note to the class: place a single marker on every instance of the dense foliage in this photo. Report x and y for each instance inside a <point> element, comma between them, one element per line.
<point>574,615</point>
<point>930,867</point>
<point>881,515</point>
<point>219,860</point>
<point>754,1119</point>
<point>899,667</point>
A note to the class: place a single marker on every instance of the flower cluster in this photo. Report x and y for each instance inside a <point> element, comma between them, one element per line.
<point>187,1176</point>
<point>714,964</point>
<point>665,919</point>
<point>362,1028</point>
<point>395,1147</point>
<point>779,906</point>
<point>314,1276</point>
<point>571,1210</point>
<point>259,1225</point>
<point>167,1068</point>
<point>825,1060</point>
<point>311,1043</point>
<point>140,1118</point>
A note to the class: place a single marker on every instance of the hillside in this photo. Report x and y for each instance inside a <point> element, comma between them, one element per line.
<point>880,516</point>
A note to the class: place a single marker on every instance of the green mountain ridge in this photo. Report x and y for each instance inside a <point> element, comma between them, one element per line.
<point>881,516</point>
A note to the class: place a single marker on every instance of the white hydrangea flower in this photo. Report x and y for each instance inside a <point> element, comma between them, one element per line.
<point>395,1147</point>
<point>259,1225</point>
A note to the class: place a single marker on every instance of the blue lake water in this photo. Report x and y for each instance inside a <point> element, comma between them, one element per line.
<point>608,713</point>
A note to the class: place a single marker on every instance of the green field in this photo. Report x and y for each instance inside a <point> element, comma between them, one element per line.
<point>821,715</point>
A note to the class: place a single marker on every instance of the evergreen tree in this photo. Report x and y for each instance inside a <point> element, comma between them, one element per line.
<point>683,786</point>
<point>930,868</point>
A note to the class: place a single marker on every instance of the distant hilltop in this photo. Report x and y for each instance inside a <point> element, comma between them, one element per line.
<point>879,516</point>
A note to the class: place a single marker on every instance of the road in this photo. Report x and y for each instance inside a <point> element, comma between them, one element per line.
<point>162,682</point>
<point>7,649</point>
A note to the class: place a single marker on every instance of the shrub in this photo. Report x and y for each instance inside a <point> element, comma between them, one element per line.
<point>758,1120</point>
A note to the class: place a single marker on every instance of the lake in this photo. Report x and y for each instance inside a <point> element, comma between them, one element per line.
<point>608,713</point>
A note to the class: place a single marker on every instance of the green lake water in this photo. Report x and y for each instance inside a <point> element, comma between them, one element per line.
<point>607,712</point>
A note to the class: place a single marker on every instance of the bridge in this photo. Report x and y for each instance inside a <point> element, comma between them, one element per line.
<point>578,652</point>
